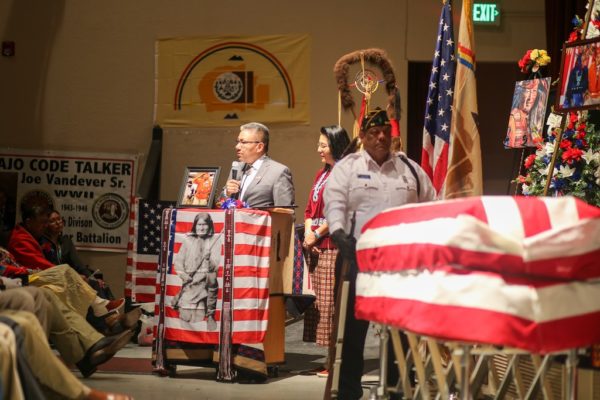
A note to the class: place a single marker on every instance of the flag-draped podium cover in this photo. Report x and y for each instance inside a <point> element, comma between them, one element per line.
<point>513,271</point>
<point>248,276</point>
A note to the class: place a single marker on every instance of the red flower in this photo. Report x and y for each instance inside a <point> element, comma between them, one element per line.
<point>521,179</point>
<point>525,61</point>
<point>529,161</point>
<point>573,36</point>
<point>572,121</point>
<point>565,144</point>
<point>570,155</point>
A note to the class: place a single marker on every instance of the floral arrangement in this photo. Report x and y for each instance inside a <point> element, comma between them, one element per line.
<point>577,167</point>
<point>577,31</point>
<point>232,203</point>
<point>533,60</point>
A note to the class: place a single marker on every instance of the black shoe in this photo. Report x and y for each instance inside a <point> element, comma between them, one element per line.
<point>102,351</point>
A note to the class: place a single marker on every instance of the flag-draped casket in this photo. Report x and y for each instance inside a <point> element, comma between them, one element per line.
<point>513,271</point>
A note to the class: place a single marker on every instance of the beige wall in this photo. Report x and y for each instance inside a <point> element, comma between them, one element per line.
<point>82,78</point>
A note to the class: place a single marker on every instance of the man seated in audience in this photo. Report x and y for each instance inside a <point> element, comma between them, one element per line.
<point>51,374</point>
<point>24,246</point>
<point>23,240</point>
<point>72,291</point>
<point>76,340</point>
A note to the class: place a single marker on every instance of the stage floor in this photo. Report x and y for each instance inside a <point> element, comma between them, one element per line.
<point>129,373</point>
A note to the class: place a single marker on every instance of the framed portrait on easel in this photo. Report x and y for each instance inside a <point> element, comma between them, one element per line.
<point>526,120</point>
<point>198,187</point>
<point>579,87</point>
<point>592,20</point>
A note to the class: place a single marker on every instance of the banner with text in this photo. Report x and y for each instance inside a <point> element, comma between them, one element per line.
<point>225,81</point>
<point>92,191</point>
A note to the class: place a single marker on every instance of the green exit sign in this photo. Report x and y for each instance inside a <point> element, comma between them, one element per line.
<point>486,14</point>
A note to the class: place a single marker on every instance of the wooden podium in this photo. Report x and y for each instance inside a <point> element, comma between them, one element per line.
<point>281,259</point>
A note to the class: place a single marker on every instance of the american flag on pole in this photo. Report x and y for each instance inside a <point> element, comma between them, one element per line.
<point>464,176</point>
<point>510,271</point>
<point>143,249</point>
<point>438,111</point>
<point>250,280</point>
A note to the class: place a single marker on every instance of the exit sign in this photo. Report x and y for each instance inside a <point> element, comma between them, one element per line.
<point>486,14</point>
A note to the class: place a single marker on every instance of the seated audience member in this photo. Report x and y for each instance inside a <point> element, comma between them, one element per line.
<point>52,375</point>
<point>72,291</point>
<point>24,246</point>
<point>76,340</point>
<point>10,382</point>
<point>7,214</point>
<point>59,249</point>
<point>23,241</point>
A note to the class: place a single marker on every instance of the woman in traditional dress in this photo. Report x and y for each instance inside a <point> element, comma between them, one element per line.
<point>197,264</point>
<point>318,319</point>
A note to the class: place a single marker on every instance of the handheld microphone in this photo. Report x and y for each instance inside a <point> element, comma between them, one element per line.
<point>236,170</point>
<point>236,174</point>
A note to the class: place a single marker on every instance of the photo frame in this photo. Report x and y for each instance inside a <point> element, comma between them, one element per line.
<point>579,87</point>
<point>198,187</point>
<point>590,28</point>
<point>527,113</point>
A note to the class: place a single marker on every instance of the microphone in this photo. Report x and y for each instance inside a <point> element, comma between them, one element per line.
<point>236,174</point>
<point>236,170</point>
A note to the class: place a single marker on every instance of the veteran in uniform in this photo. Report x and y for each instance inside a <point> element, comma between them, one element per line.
<point>361,185</point>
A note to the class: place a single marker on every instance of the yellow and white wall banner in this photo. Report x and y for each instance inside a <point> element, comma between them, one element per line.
<point>92,191</point>
<point>226,81</point>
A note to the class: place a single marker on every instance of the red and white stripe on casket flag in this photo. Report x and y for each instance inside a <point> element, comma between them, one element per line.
<point>252,241</point>
<point>513,271</point>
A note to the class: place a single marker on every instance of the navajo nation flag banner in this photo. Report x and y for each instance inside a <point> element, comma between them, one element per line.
<point>225,81</point>
<point>511,271</point>
<point>465,177</point>
<point>249,277</point>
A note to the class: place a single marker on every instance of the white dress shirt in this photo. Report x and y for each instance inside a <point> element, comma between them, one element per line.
<point>249,174</point>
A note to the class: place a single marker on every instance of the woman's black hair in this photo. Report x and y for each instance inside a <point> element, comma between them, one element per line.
<point>337,139</point>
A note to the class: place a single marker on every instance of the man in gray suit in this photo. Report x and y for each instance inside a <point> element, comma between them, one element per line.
<point>262,182</point>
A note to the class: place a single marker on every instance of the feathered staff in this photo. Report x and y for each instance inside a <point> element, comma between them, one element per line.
<point>367,83</point>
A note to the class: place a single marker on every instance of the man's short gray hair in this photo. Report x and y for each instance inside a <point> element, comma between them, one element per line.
<point>258,127</point>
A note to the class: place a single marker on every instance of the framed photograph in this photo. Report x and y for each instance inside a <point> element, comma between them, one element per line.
<point>198,187</point>
<point>527,113</point>
<point>592,20</point>
<point>579,87</point>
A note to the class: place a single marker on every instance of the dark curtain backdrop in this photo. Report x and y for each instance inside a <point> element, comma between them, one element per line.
<point>559,14</point>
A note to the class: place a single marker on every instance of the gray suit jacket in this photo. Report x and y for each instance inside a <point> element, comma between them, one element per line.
<point>271,187</point>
